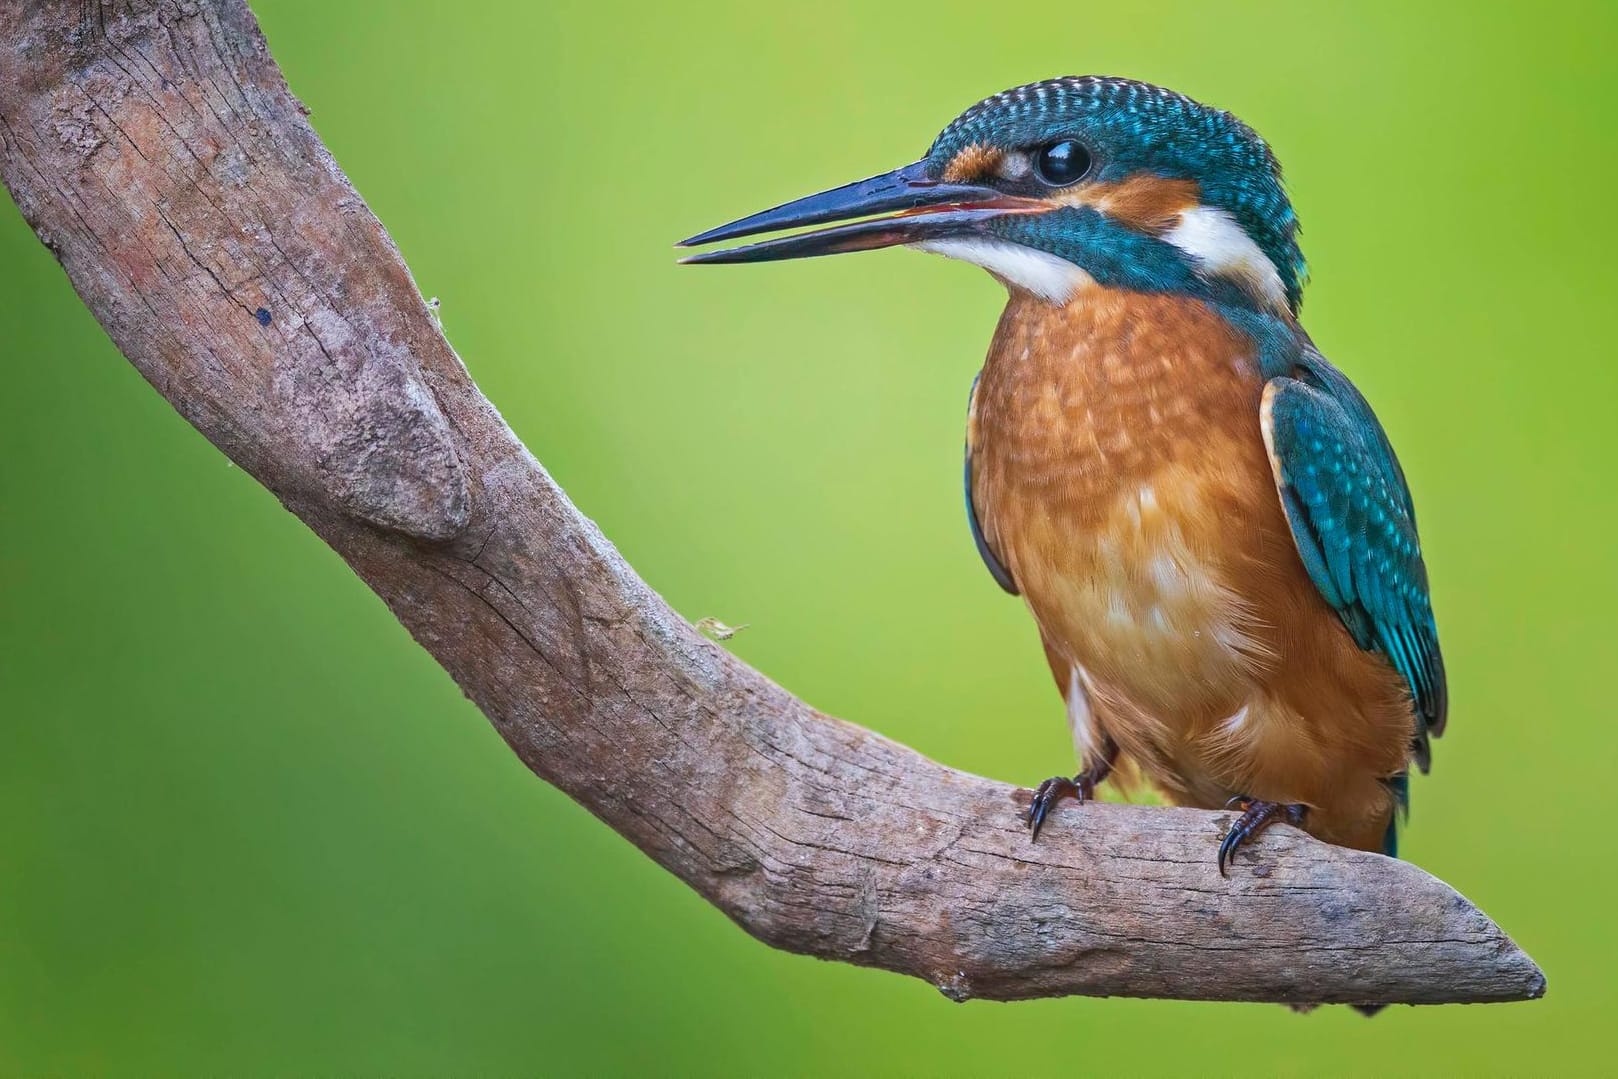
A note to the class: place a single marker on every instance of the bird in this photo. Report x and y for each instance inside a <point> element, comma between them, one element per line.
<point>1203,515</point>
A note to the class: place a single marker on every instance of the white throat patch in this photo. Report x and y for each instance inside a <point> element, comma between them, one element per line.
<point>1222,249</point>
<point>1046,276</point>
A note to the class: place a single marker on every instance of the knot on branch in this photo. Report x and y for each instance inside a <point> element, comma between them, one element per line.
<point>373,432</point>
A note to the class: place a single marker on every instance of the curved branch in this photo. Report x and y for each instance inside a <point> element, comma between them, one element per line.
<point>155,148</point>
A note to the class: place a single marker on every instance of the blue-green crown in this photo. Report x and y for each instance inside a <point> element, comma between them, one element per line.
<point>1133,127</point>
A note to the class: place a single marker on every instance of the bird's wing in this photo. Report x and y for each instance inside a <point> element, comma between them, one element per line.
<point>997,569</point>
<point>1349,507</point>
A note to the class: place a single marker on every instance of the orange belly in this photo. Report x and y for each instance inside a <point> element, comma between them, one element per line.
<point>1120,474</point>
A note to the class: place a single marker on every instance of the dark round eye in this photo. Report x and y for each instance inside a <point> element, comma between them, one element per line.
<point>1062,163</point>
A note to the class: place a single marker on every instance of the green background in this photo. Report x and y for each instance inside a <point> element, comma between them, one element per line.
<point>251,828</point>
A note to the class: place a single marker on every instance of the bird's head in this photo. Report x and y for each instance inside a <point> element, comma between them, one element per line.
<point>1061,184</point>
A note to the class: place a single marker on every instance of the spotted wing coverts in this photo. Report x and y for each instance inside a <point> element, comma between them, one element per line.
<point>1350,510</point>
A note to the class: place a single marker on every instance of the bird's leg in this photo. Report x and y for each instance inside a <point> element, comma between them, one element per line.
<point>1081,787</point>
<point>1256,816</point>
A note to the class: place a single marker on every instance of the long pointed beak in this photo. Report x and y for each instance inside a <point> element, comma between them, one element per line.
<point>921,208</point>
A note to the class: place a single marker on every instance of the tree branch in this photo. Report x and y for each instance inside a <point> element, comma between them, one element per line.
<point>156,150</point>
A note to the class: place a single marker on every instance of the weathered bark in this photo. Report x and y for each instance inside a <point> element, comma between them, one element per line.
<point>156,150</point>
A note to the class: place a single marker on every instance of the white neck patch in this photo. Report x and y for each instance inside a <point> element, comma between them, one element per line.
<point>1052,279</point>
<point>1222,249</point>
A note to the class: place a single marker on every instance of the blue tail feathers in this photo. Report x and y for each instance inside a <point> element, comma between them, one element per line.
<point>1400,786</point>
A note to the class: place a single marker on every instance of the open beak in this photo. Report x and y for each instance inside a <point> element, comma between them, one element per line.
<point>919,209</point>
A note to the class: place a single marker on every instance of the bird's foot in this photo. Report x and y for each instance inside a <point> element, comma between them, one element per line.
<point>1081,788</point>
<point>1256,816</point>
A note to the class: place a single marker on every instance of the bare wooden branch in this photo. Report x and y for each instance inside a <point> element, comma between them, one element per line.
<point>155,148</point>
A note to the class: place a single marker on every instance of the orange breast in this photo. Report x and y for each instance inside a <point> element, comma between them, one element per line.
<point>1120,474</point>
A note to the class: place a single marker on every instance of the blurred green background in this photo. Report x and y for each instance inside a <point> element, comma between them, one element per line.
<point>251,828</point>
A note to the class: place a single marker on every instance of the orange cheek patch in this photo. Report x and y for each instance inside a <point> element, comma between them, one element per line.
<point>972,163</point>
<point>1146,203</point>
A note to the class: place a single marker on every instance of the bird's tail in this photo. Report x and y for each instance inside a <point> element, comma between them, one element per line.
<point>1400,786</point>
<point>1366,1010</point>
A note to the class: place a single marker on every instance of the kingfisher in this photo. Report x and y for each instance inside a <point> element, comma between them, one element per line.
<point>1203,515</point>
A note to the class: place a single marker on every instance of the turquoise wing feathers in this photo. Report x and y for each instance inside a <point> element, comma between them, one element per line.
<point>1351,515</point>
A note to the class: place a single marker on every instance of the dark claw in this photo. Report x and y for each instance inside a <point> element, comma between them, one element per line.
<point>1081,787</point>
<point>1256,816</point>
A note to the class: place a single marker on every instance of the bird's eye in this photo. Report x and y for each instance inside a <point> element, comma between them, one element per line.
<point>1062,163</point>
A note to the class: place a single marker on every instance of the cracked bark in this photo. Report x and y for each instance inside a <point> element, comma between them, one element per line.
<point>156,150</point>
